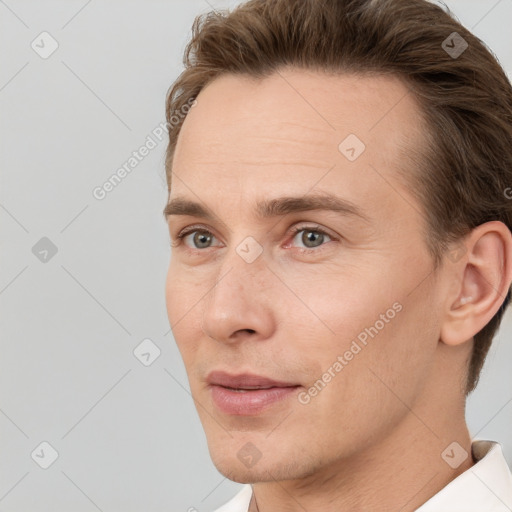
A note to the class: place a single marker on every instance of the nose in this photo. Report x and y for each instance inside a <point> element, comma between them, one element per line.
<point>240,305</point>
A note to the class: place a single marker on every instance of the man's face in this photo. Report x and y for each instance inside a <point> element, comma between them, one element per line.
<point>338,307</point>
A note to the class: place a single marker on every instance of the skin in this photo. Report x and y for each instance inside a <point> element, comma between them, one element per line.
<point>372,439</point>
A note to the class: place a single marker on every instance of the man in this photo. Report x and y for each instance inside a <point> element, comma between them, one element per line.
<point>341,251</point>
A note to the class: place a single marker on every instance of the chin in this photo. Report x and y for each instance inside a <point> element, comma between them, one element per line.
<point>241,476</point>
<point>272,465</point>
<point>239,460</point>
<point>233,470</point>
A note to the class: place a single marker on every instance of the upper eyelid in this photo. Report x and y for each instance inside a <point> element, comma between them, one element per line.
<point>191,229</point>
<point>296,226</point>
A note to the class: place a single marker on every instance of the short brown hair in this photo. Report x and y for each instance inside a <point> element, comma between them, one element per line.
<point>461,176</point>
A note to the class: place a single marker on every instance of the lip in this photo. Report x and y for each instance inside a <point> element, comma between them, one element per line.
<point>245,380</point>
<point>247,394</point>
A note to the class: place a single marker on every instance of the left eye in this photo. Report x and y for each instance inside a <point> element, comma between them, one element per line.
<point>311,237</point>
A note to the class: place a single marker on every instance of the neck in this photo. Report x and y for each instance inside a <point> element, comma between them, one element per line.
<point>400,472</point>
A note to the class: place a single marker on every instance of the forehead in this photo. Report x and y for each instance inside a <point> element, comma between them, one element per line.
<point>291,131</point>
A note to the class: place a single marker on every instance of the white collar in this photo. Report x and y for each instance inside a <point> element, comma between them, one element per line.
<point>486,486</point>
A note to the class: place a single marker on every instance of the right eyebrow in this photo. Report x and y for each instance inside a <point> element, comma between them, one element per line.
<point>182,206</point>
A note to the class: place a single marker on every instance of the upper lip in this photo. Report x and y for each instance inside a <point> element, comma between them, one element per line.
<point>245,381</point>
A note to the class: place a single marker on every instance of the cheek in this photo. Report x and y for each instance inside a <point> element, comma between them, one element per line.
<point>173,290</point>
<point>371,333</point>
<point>183,292</point>
<point>332,305</point>
<point>173,286</point>
<point>183,298</point>
<point>387,362</point>
<point>359,393</point>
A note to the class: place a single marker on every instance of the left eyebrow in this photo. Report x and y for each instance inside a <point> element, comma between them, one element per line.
<point>276,207</point>
<point>325,201</point>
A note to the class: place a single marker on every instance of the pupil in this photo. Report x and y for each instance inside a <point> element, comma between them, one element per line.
<point>201,238</point>
<point>311,236</point>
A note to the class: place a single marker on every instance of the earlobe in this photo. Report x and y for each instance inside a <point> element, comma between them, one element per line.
<point>484,276</point>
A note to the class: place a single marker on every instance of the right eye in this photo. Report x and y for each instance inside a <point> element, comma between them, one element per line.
<point>195,238</point>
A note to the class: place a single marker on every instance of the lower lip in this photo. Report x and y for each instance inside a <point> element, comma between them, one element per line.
<point>248,402</point>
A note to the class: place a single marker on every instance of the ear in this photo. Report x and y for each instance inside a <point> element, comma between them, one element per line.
<point>482,268</point>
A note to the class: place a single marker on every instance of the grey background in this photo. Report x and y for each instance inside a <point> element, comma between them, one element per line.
<point>127,435</point>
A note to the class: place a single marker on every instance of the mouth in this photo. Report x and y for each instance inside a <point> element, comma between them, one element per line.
<point>247,394</point>
<point>244,390</point>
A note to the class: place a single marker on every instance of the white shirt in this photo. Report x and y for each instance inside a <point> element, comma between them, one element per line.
<point>484,487</point>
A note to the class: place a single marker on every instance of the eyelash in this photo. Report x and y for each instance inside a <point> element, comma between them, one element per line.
<point>295,230</point>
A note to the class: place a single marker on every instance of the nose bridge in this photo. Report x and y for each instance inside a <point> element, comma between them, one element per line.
<point>238,275</point>
<point>235,301</point>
